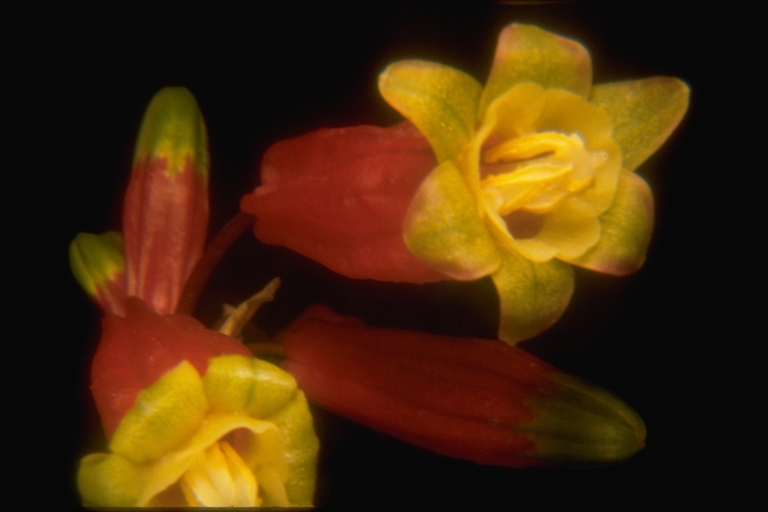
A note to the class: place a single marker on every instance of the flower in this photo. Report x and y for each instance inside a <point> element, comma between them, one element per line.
<point>534,173</point>
<point>468,398</point>
<point>193,418</point>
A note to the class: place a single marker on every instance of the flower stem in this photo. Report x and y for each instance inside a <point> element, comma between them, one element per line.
<point>213,253</point>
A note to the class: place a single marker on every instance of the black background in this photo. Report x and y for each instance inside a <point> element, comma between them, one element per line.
<point>269,73</point>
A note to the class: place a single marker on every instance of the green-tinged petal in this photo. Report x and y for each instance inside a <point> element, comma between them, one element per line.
<point>111,480</point>
<point>644,114</point>
<point>529,54</point>
<point>294,422</point>
<point>626,230</point>
<point>258,388</point>
<point>441,101</point>
<point>173,129</point>
<point>164,415</point>
<point>98,265</point>
<point>532,296</point>
<point>443,227</point>
<point>577,422</point>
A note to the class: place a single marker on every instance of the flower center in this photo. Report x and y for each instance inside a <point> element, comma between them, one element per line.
<point>218,477</point>
<point>527,177</point>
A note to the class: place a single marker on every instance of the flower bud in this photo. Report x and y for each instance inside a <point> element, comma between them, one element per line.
<point>467,398</point>
<point>98,265</point>
<point>165,216</point>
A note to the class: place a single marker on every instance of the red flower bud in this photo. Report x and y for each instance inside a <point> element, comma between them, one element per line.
<point>339,196</point>
<point>165,217</point>
<point>468,398</point>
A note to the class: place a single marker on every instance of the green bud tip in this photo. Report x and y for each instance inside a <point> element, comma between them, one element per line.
<point>173,129</point>
<point>96,260</point>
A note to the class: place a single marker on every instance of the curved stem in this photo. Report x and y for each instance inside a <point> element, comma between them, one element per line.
<point>213,253</point>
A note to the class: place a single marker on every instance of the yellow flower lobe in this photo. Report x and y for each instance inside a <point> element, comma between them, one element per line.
<point>546,167</point>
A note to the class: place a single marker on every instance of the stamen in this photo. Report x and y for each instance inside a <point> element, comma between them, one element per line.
<point>219,478</point>
<point>526,177</point>
<point>530,147</point>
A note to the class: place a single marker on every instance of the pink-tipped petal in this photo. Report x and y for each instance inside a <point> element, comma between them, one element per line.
<point>626,230</point>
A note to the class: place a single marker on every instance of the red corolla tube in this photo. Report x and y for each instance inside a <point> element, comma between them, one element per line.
<point>468,398</point>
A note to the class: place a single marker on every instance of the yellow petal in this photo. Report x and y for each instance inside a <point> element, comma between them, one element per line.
<point>258,388</point>
<point>644,114</point>
<point>532,296</point>
<point>443,227</point>
<point>568,232</point>
<point>526,53</point>
<point>441,101</point>
<point>294,422</point>
<point>626,230</point>
<point>164,416</point>
<point>111,480</point>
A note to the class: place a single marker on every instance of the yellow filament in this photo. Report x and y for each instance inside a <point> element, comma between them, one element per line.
<point>218,477</point>
<point>539,171</point>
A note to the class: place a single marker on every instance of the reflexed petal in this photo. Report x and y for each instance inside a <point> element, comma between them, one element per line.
<point>165,414</point>
<point>441,101</point>
<point>294,422</point>
<point>526,53</point>
<point>626,230</point>
<point>644,113</point>
<point>111,480</point>
<point>258,388</point>
<point>444,230</point>
<point>532,296</point>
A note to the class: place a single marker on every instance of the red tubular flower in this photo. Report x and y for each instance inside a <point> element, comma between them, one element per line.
<point>468,398</point>
<point>534,174</point>
<point>340,196</point>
